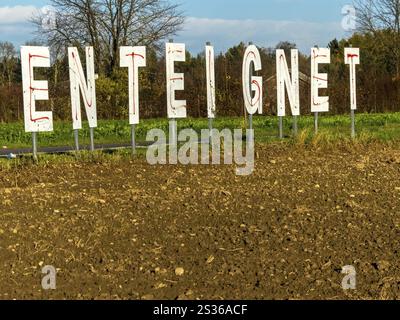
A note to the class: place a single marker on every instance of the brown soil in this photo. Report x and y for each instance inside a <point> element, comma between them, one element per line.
<point>126,230</point>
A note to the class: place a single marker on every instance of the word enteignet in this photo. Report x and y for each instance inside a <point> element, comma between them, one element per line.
<point>133,58</point>
<point>83,89</point>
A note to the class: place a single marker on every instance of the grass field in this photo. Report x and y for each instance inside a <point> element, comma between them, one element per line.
<point>370,127</point>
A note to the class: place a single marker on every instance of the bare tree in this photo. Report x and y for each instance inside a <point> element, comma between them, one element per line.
<point>108,24</point>
<point>382,19</point>
<point>376,15</point>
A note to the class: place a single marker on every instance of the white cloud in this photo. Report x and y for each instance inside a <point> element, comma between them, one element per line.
<point>222,33</point>
<point>266,33</point>
<point>14,23</point>
<point>17,14</point>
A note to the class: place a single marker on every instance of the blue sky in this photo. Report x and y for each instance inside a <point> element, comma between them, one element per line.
<point>223,22</point>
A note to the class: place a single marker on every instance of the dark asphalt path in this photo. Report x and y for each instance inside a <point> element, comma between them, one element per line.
<point>54,150</point>
<point>6,152</point>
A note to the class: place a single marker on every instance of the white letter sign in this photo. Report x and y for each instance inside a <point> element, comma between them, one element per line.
<point>352,57</point>
<point>250,83</point>
<point>175,81</point>
<point>133,58</point>
<point>283,80</point>
<point>319,80</point>
<point>35,121</point>
<point>210,82</point>
<point>78,84</point>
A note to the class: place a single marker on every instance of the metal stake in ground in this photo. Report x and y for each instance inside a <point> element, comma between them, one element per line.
<point>173,141</point>
<point>34,146</point>
<point>91,139</point>
<point>250,121</point>
<point>316,122</point>
<point>295,126</point>
<point>353,124</point>
<point>173,126</point>
<point>133,139</point>
<point>251,127</point>
<point>76,138</point>
<point>210,127</point>
<point>280,127</point>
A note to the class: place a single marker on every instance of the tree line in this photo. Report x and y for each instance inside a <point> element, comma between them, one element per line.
<point>107,24</point>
